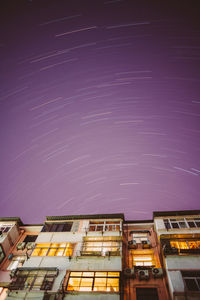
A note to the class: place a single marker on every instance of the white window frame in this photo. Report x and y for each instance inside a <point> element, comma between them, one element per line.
<point>181,220</point>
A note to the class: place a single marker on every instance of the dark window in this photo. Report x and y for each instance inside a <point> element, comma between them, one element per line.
<point>175,225</point>
<point>192,280</point>
<point>30,238</point>
<point>33,279</point>
<point>191,224</point>
<point>167,224</point>
<point>56,227</point>
<point>146,293</point>
<point>2,255</point>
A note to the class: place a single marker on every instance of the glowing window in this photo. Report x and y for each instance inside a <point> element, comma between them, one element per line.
<point>53,249</point>
<point>143,260</point>
<point>93,281</point>
<point>104,226</point>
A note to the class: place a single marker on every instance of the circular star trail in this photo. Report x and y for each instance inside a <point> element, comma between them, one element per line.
<point>99,107</point>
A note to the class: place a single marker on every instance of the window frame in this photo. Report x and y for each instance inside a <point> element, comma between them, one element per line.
<point>27,281</point>
<point>105,225</point>
<point>57,227</point>
<point>93,282</point>
<point>169,222</point>
<point>50,247</point>
<point>190,275</point>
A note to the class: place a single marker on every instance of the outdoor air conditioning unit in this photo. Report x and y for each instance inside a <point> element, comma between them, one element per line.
<point>143,274</point>
<point>157,272</point>
<point>128,272</point>
<point>30,245</point>
<point>132,244</point>
<point>146,244</point>
<point>21,246</point>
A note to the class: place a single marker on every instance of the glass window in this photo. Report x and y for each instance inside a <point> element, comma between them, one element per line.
<point>33,280</point>
<point>104,226</point>
<point>57,227</point>
<point>53,249</point>
<point>191,280</point>
<point>143,260</point>
<point>93,281</point>
<point>17,262</point>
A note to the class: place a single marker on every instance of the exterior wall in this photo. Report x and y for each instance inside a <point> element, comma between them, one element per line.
<point>131,283</point>
<point>174,264</point>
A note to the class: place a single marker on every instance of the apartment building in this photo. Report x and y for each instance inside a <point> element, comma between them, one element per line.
<point>179,238</point>
<point>72,257</point>
<point>16,243</point>
<point>143,274</point>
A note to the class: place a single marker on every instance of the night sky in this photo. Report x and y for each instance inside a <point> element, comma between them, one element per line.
<point>99,107</point>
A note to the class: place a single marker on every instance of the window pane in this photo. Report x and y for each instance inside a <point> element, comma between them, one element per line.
<point>59,252</point>
<point>191,285</point>
<point>36,252</point>
<point>175,225</point>
<point>78,274</point>
<point>192,245</point>
<point>88,274</point>
<point>113,285</point>
<point>43,252</point>
<point>113,274</point>
<point>68,252</point>
<point>101,274</point>
<point>191,224</point>
<point>52,252</point>
<point>73,284</point>
<point>182,225</point>
<point>183,245</point>
<point>100,282</point>
<point>86,284</point>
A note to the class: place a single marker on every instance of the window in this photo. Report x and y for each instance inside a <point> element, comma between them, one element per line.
<point>104,226</point>
<point>33,279</point>
<point>53,249</point>
<point>140,237</point>
<point>143,260</point>
<point>5,228</point>
<point>146,293</point>
<point>30,239</point>
<point>93,282</point>
<point>101,245</point>
<point>185,244</point>
<point>182,223</point>
<point>2,255</point>
<point>17,262</point>
<point>191,280</point>
<point>57,227</point>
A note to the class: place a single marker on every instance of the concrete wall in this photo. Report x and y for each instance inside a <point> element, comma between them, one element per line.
<point>83,263</point>
<point>190,262</point>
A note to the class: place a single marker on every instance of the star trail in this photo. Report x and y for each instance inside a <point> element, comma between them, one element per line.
<point>99,107</point>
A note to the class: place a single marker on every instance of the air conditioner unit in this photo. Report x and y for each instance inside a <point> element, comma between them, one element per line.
<point>21,246</point>
<point>132,244</point>
<point>143,274</point>
<point>146,244</point>
<point>30,245</point>
<point>128,272</point>
<point>157,272</point>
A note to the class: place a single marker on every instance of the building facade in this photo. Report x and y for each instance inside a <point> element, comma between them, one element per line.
<point>101,257</point>
<point>179,239</point>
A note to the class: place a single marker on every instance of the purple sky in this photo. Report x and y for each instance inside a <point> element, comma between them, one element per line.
<point>99,107</point>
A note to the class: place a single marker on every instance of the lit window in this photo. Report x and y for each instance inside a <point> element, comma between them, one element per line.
<point>17,262</point>
<point>38,279</point>
<point>93,281</point>
<point>104,226</point>
<point>185,244</point>
<point>140,237</point>
<point>101,245</point>
<point>191,280</point>
<point>143,260</point>
<point>53,249</point>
